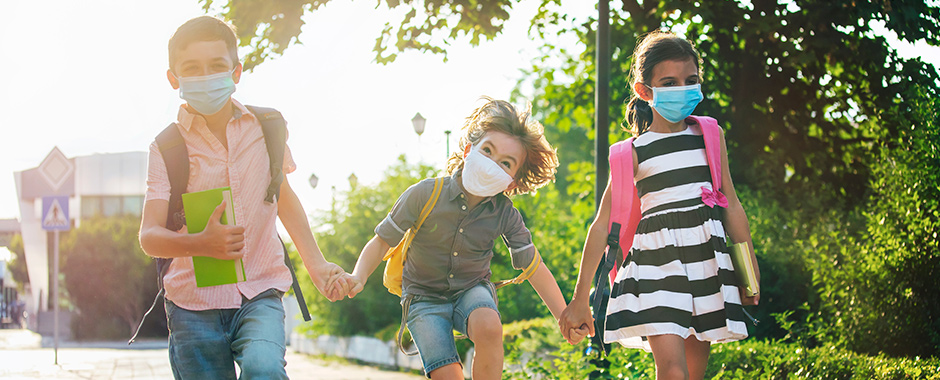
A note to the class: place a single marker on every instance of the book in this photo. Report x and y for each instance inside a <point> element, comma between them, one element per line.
<point>198,207</point>
<point>744,269</point>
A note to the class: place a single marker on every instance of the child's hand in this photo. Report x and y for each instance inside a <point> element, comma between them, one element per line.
<point>749,301</point>
<point>577,316</point>
<point>356,286</point>
<point>575,335</point>
<point>336,287</point>
<point>222,241</point>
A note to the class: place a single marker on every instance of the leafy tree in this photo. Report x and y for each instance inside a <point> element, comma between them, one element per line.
<point>108,277</point>
<point>880,289</point>
<point>18,264</point>
<point>269,27</point>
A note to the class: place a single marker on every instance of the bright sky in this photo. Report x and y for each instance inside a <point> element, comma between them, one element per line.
<point>89,77</point>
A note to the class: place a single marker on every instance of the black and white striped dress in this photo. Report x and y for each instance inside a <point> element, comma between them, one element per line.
<point>678,278</point>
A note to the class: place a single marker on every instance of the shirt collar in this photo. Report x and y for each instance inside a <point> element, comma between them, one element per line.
<point>186,118</point>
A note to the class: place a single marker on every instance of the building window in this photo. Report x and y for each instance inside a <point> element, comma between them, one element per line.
<point>111,205</point>
<point>91,207</point>
<point>133,205</point>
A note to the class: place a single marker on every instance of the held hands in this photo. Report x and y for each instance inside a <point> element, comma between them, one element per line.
<point>576,322</point>
<point>345,285</point>
<point>331,282</point>
<point>222,241</point>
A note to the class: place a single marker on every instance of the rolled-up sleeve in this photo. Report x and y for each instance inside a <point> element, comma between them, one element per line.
<point>518,239</point>
<point>158,182</point>
<point>403,214</point>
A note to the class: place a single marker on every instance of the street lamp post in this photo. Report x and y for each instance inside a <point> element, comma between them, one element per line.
<point>447,133</point>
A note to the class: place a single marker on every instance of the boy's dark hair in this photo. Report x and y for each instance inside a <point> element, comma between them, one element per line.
<point>541,161</point>
<point>203,28</point>
<point>652,49</point>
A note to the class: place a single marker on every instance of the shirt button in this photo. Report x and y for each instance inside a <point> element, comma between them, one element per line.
<point>455,254</point>
<point>451,276</point>
<point>461,196</point>
<point>464,207</point>
<point>461,230</point>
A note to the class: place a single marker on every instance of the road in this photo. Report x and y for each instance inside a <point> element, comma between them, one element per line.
<point>23,355</point>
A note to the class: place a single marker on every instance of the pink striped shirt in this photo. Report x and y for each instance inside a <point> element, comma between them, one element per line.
<point>245,168</point>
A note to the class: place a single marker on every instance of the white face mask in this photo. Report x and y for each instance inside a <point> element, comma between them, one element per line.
<point>482,176</point>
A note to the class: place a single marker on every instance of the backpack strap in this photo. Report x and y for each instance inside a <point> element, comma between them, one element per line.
<point>711,133</point>
<point>624,200</point>
<point>275,139</point>
<point>176,159</point>
<point>526,273</point>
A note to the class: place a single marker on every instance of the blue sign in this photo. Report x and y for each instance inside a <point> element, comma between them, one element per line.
<point>55,213</point>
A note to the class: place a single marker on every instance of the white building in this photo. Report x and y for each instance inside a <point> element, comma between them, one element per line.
<point>100,184</point>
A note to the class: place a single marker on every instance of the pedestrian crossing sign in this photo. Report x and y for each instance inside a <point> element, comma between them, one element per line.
<point>55,213</point>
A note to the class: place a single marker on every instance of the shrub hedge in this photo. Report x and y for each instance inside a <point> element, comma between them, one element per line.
<point>535,350</point>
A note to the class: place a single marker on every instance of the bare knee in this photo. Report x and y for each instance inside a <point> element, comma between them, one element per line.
<point>672,370</point>
<point>484,327</point>
<point>451,371</point>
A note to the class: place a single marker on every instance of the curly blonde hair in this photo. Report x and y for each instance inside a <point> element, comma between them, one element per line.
<point>541,161</point>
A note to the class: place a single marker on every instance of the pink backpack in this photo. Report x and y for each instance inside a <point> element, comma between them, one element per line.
<point>625,203</point>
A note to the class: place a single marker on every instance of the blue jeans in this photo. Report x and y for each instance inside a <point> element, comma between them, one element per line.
<point>207,344</point>
<point>432,322</point>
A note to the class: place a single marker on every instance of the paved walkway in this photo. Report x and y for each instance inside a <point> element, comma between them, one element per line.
<point>23,355</point>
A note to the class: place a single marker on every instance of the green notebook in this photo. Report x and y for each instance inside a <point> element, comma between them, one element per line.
<point>198,207</point>
<point>744,268</point>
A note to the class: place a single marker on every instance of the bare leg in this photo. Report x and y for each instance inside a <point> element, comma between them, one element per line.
<point>696,355</point>
<point>486,332</point>
<point>448,372</point>
<point>669,355</point>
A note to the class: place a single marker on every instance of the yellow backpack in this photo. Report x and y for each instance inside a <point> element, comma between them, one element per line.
<point>395,257</point>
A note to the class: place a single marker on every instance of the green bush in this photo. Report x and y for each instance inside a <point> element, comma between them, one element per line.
<point>750,359</point>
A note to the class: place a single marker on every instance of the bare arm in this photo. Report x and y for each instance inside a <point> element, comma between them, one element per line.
<point>292,215</point>
<point>578,312</point>
<point>544,283</point>
<point>216,240</point>
<point>369,260</point>
<point>736,224</point>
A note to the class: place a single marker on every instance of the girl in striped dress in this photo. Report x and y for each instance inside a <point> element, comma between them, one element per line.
<point>676,292</point>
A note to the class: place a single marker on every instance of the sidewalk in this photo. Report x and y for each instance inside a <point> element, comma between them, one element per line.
<point>23,355</point>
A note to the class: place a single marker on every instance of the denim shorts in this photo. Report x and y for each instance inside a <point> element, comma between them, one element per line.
<point>432,322</point>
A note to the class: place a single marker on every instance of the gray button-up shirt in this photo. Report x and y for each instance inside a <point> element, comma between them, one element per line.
<point>452,250</point>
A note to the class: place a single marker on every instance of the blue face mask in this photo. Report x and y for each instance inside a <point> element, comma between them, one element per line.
<point>209,93</point>
<point>677,102</point>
